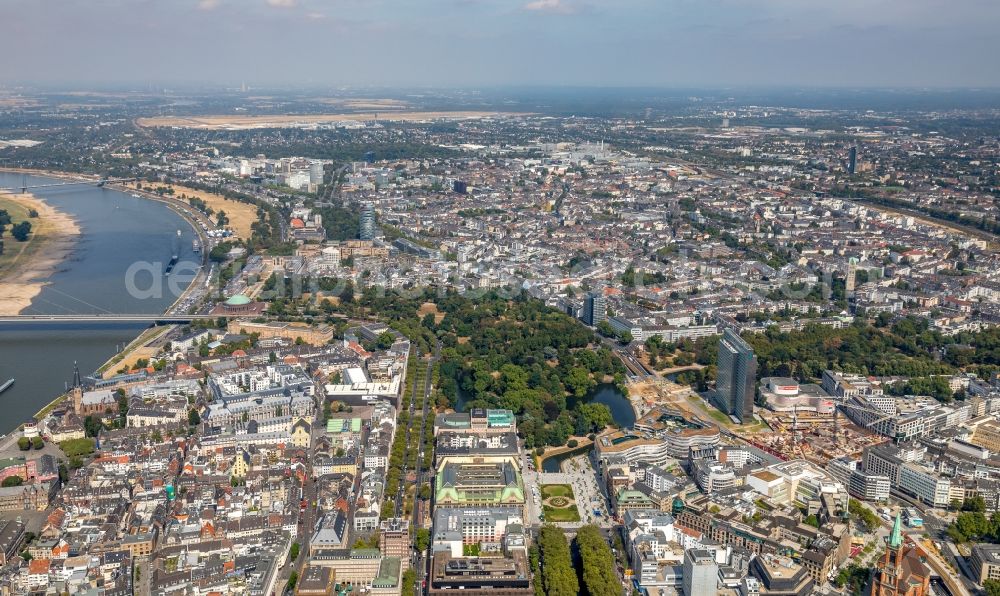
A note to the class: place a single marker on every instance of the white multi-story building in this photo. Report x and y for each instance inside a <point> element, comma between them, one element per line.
<point>869,487</point>
<point>925,484</point>
<point>655,448</point>
<point>904,418</point>
<point>258,379</point>
<point>796,481</point>
<point>657,478</point>
<point>861,485</point>
<point>262,406</point>
<point>712,476</point>
<point>458,526</point>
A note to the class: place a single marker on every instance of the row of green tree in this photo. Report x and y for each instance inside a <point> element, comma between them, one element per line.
<point>266,231</point>
<point>597,564</point>
<point>982,222</point>
<point>858,348</point>
<point>558,576</point>
<point>24,443</point>
<point>342,150</point>
<point>974,526</point>
<point>936,387</point>
<point>341,222</point>
<point>863,516</point>
<point>992,587</point>
<point>907,347</point>
<point>18,231</point>
<point>595,574</point>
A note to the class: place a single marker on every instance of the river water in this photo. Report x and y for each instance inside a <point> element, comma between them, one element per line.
<point>117,231</point>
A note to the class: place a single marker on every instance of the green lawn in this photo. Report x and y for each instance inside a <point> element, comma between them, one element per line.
<point>557,490</point>
<point>706,408</point>
<point>13,248</point>
<point>566,513</point>
<point>77,447</point>
<point>470,550</point>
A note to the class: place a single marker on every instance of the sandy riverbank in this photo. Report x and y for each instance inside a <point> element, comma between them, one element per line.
<point>26,266</point>
<point>170,202</point>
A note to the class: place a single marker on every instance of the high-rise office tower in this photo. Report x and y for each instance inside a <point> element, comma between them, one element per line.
<point>736,378</point>
<point>852,273</point>
<point>701,573</point>
<point>367,227</point>
<point>595,308</point>
<point>316,172</point>
<point>852,161</point>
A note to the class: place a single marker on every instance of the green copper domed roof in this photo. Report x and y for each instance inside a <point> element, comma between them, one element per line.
<point>677,506</point>
<point>238,300</point>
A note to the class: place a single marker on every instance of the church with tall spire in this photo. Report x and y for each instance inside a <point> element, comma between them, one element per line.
<point>76,391</point>
<point>97,402</point>
<point>901,572</point>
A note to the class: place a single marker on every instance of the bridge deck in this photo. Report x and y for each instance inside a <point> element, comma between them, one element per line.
<point>138,318</point>
<point>96,182</point>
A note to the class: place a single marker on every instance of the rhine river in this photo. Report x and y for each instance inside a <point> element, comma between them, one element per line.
<point>116,230</point>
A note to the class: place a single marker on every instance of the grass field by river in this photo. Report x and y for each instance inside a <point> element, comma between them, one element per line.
<point>15,251</point>
<point>25,265</point>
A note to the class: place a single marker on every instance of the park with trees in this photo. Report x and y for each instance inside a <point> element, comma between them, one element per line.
<point>906,347</point>
<point>521,355</point>
<point>499,351</point>
<point>972,525</point>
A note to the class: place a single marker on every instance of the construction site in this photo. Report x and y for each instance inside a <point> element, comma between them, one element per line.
<point>818,437</point>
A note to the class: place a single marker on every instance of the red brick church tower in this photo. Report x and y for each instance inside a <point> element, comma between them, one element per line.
<point>900,572</point>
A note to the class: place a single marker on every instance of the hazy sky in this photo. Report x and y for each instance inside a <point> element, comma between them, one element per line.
<point>499,42</point>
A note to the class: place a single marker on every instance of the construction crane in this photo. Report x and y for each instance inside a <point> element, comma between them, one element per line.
<point>880,417</point>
